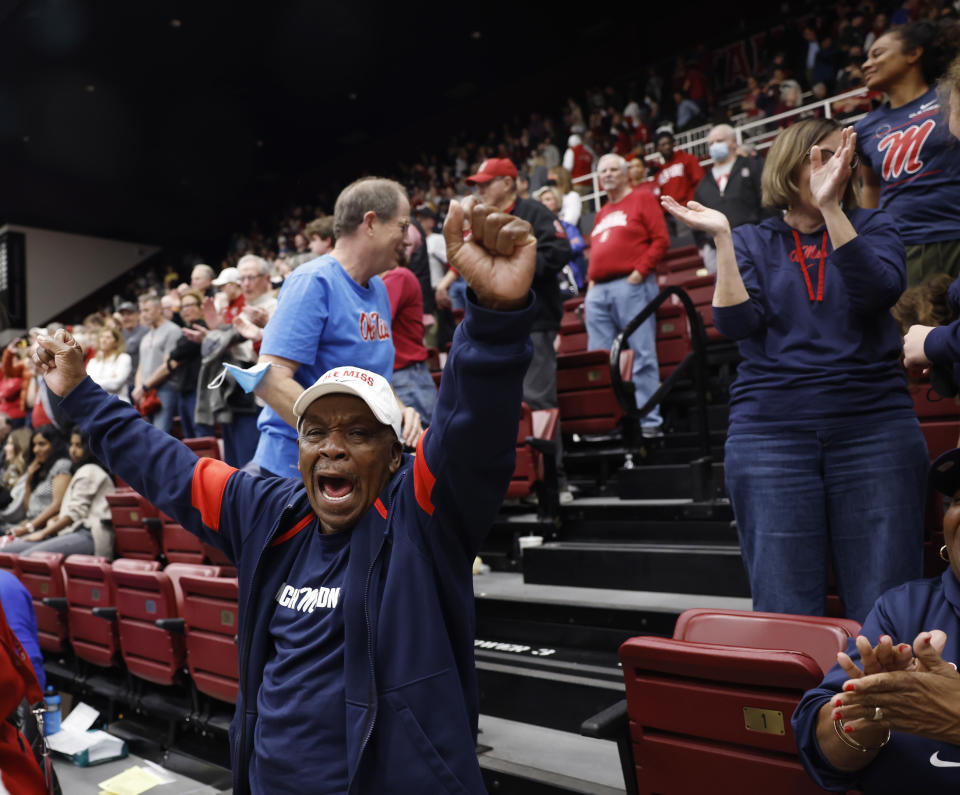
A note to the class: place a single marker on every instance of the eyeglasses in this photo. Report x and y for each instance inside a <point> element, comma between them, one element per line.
<point>187,306</point>
<point>826,154</point>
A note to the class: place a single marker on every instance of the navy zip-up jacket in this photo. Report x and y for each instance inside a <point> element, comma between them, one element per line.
<point>909,763</point>
<point>409,673</point>
<point>808,363</point>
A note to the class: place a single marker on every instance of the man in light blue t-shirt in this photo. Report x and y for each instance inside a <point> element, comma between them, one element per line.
<point>332,311</point>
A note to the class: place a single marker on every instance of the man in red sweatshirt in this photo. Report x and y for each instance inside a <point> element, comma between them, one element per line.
<point>679,175</point>
<point>629,237</point>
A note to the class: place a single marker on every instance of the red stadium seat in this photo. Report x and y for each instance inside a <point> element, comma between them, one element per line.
<point>8,561</point>
<point>928,404</point>
<point>42,573</point>
<point>940,436</point>
<point>144,596</point>
<point>703,710</point>
<point>180,545</point>
<point>210,617</point>
<point>573,332</point>
<point>674,340</point>
<point>530,471</point>
<point>132,538</point>
<point>89,581</point>
<point>584,392</point>
<point>205,447</point>
<point>700,290</point>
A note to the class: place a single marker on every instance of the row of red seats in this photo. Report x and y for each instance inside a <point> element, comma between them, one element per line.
<point>721,691</point>
<point>158,622</point>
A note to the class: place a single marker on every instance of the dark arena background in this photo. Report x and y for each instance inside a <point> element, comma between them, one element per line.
<point>617,648</point>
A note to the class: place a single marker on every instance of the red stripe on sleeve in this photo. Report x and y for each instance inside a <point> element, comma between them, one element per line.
<point>381,509</point>
<point>210,478</point>
<point>423,478</point>
<point>293,530</point>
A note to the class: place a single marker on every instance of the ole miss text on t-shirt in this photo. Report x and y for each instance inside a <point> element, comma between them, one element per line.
<point>628,235</point>
<point>918,163</point>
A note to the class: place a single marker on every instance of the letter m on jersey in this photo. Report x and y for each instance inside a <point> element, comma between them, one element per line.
<point>902,150</point>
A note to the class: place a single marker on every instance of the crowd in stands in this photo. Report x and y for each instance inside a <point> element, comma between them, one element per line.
<point>812,248</point>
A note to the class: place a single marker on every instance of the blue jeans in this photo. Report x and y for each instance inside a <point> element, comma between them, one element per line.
<point>608,308</point>
<point>186,405</point>
<point>458,294</point>
<point>851,494</point>
<point>163,419</point>
<point>414,386</point>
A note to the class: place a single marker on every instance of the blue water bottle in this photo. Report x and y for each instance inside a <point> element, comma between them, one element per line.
<point>51,717</point>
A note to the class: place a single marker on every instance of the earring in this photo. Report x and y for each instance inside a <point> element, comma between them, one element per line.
<point>943,553</point>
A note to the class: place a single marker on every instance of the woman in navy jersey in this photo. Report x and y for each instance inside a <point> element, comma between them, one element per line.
<point>825,461</point>
<point>911,167</point>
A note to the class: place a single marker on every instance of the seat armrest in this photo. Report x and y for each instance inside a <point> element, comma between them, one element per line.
<point>152,523</point>
<point>57,602</point>
<point>109,613</point>
<point>544,446</point>
<point>607,724</point>
<point>172,625</point>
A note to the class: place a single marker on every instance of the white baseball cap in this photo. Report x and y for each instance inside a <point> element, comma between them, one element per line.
<point>227,276</point>
<point>372,388</point>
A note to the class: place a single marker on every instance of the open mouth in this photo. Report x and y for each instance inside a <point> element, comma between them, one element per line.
<point>335,489</point>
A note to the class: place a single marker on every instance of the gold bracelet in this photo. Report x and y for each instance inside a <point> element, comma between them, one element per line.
<point>838,728</point>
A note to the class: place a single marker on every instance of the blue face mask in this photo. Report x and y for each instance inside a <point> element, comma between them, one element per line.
<point>719,151</point>
<point>247,379</point>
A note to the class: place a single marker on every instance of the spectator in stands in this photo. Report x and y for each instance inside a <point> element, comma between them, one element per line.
<point>496,186</point>
<point>731,186</point>
<point>19,772</point>
<point>911,166</point>
<point>201,278</point>
<point>825,459</point>
<point>550,198</point>
<point>680,173</point>
<point>885,718</point>
<point>436,248</point>
<point>577,159</point>
<point>16,450</point>
<point>689,113</point>
<point>16,603</point>
<point>751,104</point>
<point>161,338</point>
<point>79,527</point>
<point>183,364</point>
<point>629,238</point>
<point>395,538</point>
<point>259,302</point>
<point>228,302</point>
<point>133,332</point>
<point>12,398</point>
<point>791,97</point>
<point>319,236</point>
<point>827,63</point>
<point>330,311</point>
<point>637,175</point>
<point>571,207</point>
<point>111,368</point>
<point>411,376</point>
<point>46,479</point>
<point>170,306</point>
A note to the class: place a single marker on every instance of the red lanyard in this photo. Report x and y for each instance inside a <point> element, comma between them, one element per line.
<point>803,266</point>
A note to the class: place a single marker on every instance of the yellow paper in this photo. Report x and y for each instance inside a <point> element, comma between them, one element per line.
<point>131,781</point>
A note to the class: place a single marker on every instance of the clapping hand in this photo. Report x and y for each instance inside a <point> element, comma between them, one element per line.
<point>696,216</point>
<point>498,259</point>
<point>829,176</point>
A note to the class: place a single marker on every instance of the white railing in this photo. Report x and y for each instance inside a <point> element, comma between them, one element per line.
<point>754,135</point>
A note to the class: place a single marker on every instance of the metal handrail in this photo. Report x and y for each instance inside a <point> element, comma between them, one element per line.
<point>697,359</point>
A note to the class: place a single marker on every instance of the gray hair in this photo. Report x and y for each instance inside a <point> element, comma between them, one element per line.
<point>725,129</point>
<point>613,156</point>
<point>370,194</point>
<point>262,265</point>
<point>204,269</point>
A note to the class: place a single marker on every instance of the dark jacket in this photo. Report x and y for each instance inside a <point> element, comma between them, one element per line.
<point>409,675</point>
<point>740,201</point>
<point>553,252</point>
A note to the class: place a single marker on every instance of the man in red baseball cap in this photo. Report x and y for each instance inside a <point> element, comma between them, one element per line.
<point>493,168</point>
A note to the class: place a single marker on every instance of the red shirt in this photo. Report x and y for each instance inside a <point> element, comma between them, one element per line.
<point>627,235</point>
<point>406,310</point>
<point>680,176</point>
<point>582,162</point>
